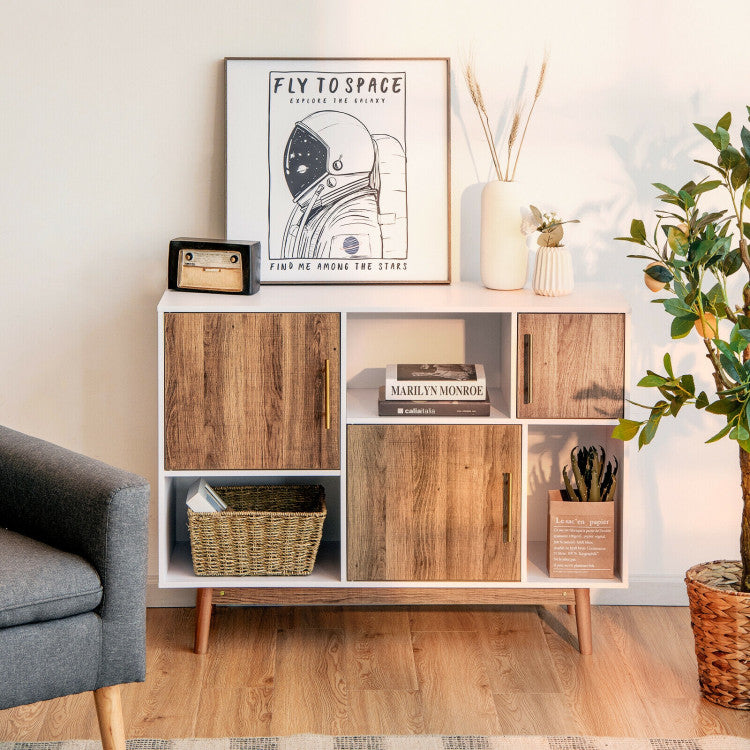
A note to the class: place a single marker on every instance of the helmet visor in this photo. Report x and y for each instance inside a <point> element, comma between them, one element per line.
<point>305,160</point>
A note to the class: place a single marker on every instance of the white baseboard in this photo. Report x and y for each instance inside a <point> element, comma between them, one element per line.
<point>646,590</point>
<point>663,591</point>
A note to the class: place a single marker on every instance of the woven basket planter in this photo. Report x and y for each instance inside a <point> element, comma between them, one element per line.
<point>267,530</point>
<point>720,616</point>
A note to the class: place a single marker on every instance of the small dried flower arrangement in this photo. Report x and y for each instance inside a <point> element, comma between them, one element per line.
<point>508,174</point>
<point>549,225</point>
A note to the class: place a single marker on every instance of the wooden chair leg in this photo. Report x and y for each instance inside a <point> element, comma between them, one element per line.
<point>203,604</point>
<point>583,620</point>
<point>109,713</point>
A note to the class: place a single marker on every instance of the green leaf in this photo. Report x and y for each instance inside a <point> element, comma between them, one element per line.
<point>668,365</point>
<point>687,199</point>
<point>676,239</point>
<point>705,186</point>
<point>649,430</point>
<point>740,174</point>
<point>660,273</point>
<point>720,434</point>
<point>732,263</point>
<point>707,219</point>
<point>687,383</point>
<point>632,239</point>
<point>730,157</point>
<point>679,309</point>
<point>652,380</point>
<point>722,406</point>
<point>708,133</point>
<point>682,326</point>
<point>702,401</point>
<point>700,250</point>
<point>739,433</point>
<point>730,367</point>
<point>745,136</point>
<point>664,188</point>
<point>720,170</point>
<point>739,338</point>
<point>638,230</point>
<point>626,430</point>
<point>723,135</point>
<point>725,122</point>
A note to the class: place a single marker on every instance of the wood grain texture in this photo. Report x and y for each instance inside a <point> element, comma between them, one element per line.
<point>282,669</point>
<point>385,596</point>
<point>440,656</point>
<point>433,502</point>
<point>248,390</point>
<point>577,365</point>
<point>109,712</point>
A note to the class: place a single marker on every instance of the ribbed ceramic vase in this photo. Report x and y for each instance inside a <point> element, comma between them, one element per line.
<point>504,257</point>
<point>553,272</point>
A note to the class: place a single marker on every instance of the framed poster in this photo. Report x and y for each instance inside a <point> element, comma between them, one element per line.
<point>340,168</point>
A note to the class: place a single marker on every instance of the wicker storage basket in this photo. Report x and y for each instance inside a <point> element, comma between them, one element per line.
<point>267,530</point>
<point>720,616</point>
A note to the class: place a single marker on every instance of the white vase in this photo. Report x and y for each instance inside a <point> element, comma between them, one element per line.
<point>503,254</point>
<point>553,272</point>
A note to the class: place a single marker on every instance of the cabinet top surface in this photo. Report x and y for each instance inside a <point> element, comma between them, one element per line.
<point>463,296</point>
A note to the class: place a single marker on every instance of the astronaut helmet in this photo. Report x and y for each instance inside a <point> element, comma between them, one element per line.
<point>326,152</point>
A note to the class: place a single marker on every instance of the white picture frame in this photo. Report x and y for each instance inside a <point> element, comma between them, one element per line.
<point>340,167</point>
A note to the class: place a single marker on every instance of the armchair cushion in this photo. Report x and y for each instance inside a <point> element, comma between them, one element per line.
<point>40,583</point>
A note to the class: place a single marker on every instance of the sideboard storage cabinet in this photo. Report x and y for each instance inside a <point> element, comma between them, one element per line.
<point>282,388</point>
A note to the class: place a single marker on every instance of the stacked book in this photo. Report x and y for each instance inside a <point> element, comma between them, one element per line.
<point>434,391</point>
<point>203,498</point>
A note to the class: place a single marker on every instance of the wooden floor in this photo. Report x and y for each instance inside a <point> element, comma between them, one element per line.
<point>513,670</point>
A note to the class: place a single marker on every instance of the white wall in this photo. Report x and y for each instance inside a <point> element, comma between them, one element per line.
<point>111,143</point>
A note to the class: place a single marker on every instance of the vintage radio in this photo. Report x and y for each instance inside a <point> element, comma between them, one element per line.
<point>221,266</point>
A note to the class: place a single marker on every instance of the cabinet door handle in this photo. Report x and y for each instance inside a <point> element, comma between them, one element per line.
<point>508,508</point>
<point>328,394</point>
<point>528,375</point>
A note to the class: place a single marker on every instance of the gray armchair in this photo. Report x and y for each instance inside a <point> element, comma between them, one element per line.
<point>73,545</point>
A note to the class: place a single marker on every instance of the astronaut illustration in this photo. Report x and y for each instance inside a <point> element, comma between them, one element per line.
<point>349,190</point>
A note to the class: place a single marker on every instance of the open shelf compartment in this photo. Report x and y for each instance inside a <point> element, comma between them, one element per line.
<point>548,451</point>
<point>374,340</point>
<point>177,568</point>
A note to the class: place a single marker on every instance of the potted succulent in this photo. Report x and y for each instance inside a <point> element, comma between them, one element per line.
<point>553,271</point>
<point>581,518</point>
<point>692,256</point>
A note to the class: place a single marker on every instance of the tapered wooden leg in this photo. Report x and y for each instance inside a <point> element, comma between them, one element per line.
<point>109,713</point>
<point>203,604</point>
<point>583,620</point>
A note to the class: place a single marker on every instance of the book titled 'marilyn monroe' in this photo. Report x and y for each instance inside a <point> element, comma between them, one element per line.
<point>403,408</point>
<point>435,383</point>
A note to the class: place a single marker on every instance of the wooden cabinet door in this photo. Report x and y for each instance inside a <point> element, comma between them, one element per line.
<point>433,503</point>
<point>250,391</point>
<point>571,366</point>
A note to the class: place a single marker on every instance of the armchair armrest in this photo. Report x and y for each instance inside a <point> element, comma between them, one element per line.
<point>94,510</point>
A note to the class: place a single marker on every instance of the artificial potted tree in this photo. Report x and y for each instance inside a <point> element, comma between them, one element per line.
<point>581,517</point>
<point>694,255</point>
